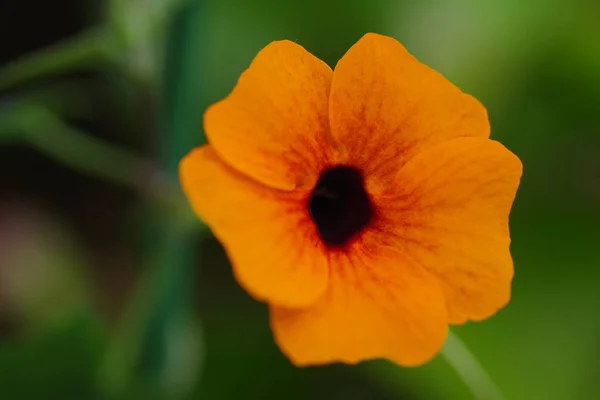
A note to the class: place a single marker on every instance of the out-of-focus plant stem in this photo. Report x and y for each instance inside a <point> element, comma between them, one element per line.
<point>470,370</point>
<point>34,124</point>
<point>150,296</point>
<point>165,289</point>
<point>458,356</point>
<point>90,48</point>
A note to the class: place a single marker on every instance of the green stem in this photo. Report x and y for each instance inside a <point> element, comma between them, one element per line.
<point>47,133</point>
<point>87,48</point>
<point>164,291</point>
<point>469,369</point>
<point>123,356</point>
<point>152,293</point>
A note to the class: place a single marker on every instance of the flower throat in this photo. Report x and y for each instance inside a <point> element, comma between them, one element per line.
<point>339,205</point>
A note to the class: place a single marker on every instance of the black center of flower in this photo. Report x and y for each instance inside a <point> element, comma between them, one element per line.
<point>339,205</point>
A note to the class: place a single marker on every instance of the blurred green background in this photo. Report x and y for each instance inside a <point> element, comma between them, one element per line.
<point>110,289</point>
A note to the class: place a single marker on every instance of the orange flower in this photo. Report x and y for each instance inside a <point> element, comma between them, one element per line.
<point>366,205</point>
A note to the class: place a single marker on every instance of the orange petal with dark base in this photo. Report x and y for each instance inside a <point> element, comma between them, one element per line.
<point>379,304</point>
<point>274,125</point>
<point>450,213</point>
<point>385,107</point>
<point>271,242</point>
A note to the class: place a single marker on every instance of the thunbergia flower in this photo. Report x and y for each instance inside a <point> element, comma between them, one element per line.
<point>366,205</point>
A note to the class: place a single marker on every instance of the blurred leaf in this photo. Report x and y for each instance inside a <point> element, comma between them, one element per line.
<point>57,365</point>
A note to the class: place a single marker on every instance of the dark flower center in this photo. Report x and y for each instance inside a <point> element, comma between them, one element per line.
<point>339,205</point>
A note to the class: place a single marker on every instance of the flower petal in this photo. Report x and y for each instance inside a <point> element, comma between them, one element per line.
<point>450,214</point>
<point>274,125</point>
<point>268,235</point>
<point>385,106</point>
<point>377,305</point>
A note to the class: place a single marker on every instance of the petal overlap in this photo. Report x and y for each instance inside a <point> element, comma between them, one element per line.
<point>376,306</point>
<point>273,126</point>
<point>260,228</point>
<point>385,107</point>
<point>449,212</point>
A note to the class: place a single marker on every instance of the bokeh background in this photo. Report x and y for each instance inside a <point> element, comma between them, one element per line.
<point>110,289</point>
